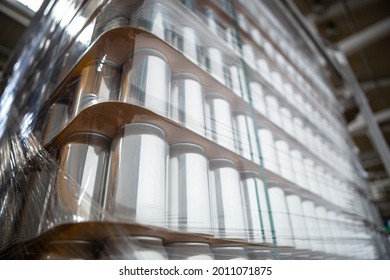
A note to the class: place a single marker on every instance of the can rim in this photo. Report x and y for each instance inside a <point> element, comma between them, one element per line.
<point>240,112</point>
<point>221,162</point>
<point>215,95</point>
<point>273,184</point>
<point>151,51</point>
<point>196,148</point>
<point>247,174</point>
<point>227,248</point>
<point>200,244</point>
<point>185,75</point>
<point>79,135</point>
<point>133,238</point>
<point>144,126</point>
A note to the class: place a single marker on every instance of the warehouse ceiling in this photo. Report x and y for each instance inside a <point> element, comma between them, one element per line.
<point>360,28</point>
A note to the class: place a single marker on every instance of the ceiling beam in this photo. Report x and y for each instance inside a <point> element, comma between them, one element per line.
<point>373,84</point>
<point>380,183</point>
<point>359,123</point>
<point>337,9</point>
<point>371,162</point>
<point>365,37</point>
<point>16,11</point>
<point>374,131</point>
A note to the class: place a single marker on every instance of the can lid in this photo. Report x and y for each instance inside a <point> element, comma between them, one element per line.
<point>185,76</point>
<point>89,138</point>
<point>149,240</point>
<point>215,95</point>
<point>143,128</point>
<point>151,52</point>
<point>131,238</point>
<point>293,195</point>
<point>273,184</point>
<point>247,174</point>
<point>221,162</point>
<point>227,248</point>
<point>184,148</point>
<point>185,244</point>
<point>237,113</point>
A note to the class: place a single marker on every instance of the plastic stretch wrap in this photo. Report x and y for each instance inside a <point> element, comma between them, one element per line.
<point>151,130</point>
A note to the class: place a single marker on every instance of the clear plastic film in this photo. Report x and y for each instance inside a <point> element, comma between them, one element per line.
<point>150,130</point>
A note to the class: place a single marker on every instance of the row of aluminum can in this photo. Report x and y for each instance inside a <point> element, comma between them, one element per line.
<point>100,82</point>
<point>148,248</point>
<point>183,102</point>
<point>282,116</point>
<point>139,178</point>
<point>307,226</point>
<point>146,81</point>
<point>294,165</point>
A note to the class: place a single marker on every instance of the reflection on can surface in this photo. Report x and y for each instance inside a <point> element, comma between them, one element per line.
<point>138,170</point>
<point>84,161</point>
<point>98,82</point>
<point>227,204</point>
<point>187,102</point>
<point>133,248</point>
<point>146,80</point>
<point>188,191</point>
<point>189,251</point>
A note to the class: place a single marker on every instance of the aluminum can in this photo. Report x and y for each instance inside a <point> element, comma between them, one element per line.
<point>138,175</point>
<point>268,150</point>
<point>256,208</point>
<point>320,178</point>
<point>220,118</point>
<point>146,81</point>
<point>81,180</point>
<point>249,56</point>
<point>333,222</point>
<point>246,141</point>
<point>312,225</point>
<point>57,117</point>
<point>299,169</point>
<point>273,112</point>
<point>227,200</point>
<point>70,250</point>
<point>188,191</point>
<point>311,176</point>
<point>215,64</point>
<point>187,102</point>
<point>133,248</point>
<point>294,205</point>
<point>99,82</point>
<point>325,231</point>
<point>259,254</point>
<point>189,44</point>
<point>238,82</point>
<point>287,123</point>
<point>59,114</point>
<point>285,164</point>
<point>229,253</point>
<point>264,69</point>
<point>189,251</point>
<point>156,16</point>
<point>257,93</point>
<point>211,19</point>
<point>298,128</point>
<point>280,216</point>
